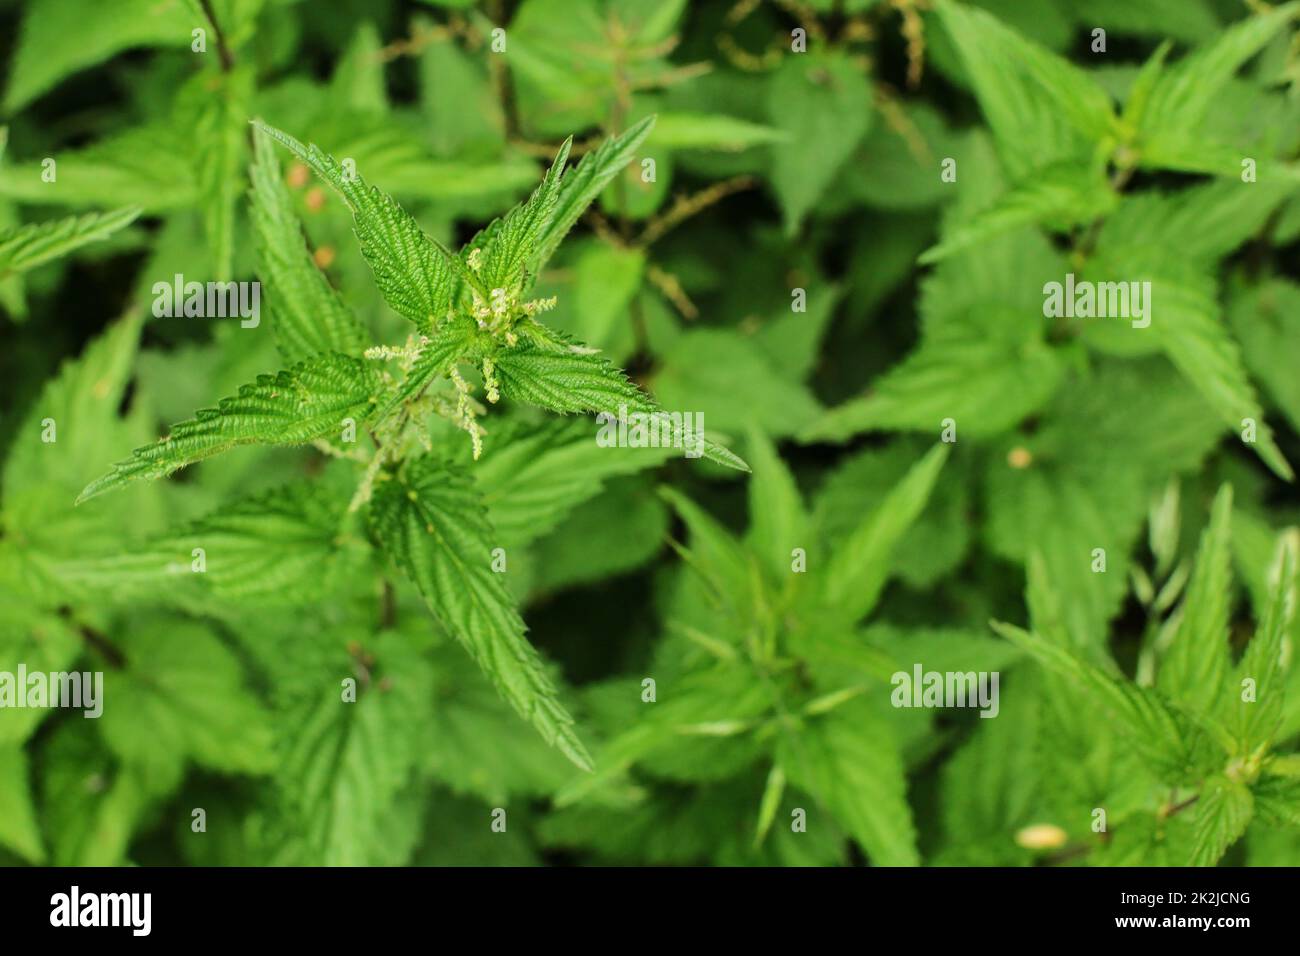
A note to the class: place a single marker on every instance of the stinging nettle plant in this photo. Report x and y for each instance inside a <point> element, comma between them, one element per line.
<point>25,247</point>
<point>469,308</point>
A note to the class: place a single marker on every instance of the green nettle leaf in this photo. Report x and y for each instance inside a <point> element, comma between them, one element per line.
<point>577,381</point>
<point>984,384</point>
<point>430,519</point>
<point>1080,481</point>
<point>395,160</point>
<point>857,572</point>
<point>567,381</point>
<point>1193,671</point>
<point>1192,333</point>
<point>40,642</point>
<point>181,695</point>
<point>1170,745</point>
<point>413,273</point>
<point>583,184</point>
<point>992,783</point>
<point>468,712</point>
<point>1059,197</point>
<point>607,282</point>
<point>358,78</point>
<point>1185,19</point>
<point>27,247</point>
<point>716,699</point>
<point>733,383</point>
<point>1266,321</point>
<point>685,130</point>
<point>716,555</point>
<point>1041,108</point>
<point>822,105</point>
<point>345,765</point>
<point>847,760</point>
<point>219,147</point>
<point>309,401</point>
<point>1223,812</point>
<point>791,340</point>
<point>289,546</point>
<point>561,85</point>
<point>78,410</point>
<point>509,241</point>
<point>1199,224</point>
<point>464,117</point>
<point>1256,721</point>
<point>121,169</point>
<point>540,475</point>
<point>1277,802</point>
<point>1173,242</point>
<point>983,360</point>
<point>1180,96</point>
<point>45,54</point>
<point>307,314</point>
<point>617,532</point>
<point>779,521</point>
<point>936,542</point>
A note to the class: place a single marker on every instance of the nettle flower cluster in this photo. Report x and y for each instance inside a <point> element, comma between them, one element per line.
<point>496,316</point>
<point>468,309</point>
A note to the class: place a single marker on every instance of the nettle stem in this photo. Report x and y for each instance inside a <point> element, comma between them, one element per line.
<point>223,48</point>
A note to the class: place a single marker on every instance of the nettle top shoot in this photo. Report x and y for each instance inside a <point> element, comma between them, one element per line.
<point>470,308</point>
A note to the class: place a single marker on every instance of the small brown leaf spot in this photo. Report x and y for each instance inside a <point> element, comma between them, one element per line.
<point>1020,458</point>
<point>315,199</point>
<point>297,175</point>
<point>324,257</point>
<point>429,527</point>
<point>101,388</point>
<point>386,684</point>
